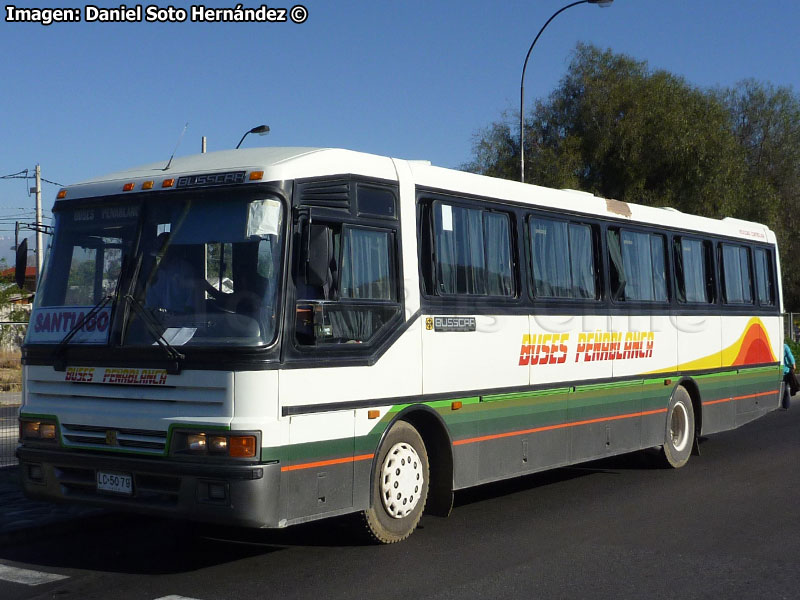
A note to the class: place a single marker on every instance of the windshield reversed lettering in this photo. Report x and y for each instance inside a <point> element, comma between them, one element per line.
<point>86,214</point>
<point>120,212</point>
<point>50,325</point>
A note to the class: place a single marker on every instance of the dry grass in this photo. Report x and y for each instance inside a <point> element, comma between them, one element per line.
<point>10,371</point>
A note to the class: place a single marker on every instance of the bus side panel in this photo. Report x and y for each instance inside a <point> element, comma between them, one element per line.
<point>487,358</point>
<point>656,392</point>
<point>319,475</point>
<point>699,348</point>
<point>521,432</point>
<point>732,398</point>
<point>649,345</point>
<point>587,358</point>
<point>745,342</point>
<point>699,339</point>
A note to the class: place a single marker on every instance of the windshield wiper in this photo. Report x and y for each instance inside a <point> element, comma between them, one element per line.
<point>153,326</point>
<point>59,364</point>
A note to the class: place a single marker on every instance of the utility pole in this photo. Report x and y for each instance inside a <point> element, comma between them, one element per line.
<point>39,245</point>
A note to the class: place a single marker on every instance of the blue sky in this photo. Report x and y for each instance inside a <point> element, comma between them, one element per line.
<point>410,79</point>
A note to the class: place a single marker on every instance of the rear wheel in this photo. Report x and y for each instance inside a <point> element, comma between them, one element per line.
<point>679,434</point>
<point>399,485</point>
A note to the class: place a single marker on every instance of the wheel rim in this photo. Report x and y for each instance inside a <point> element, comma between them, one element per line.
<point>679,427</point>
<point>401,480</point>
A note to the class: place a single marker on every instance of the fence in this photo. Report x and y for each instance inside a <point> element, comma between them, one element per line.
<point>791,326</point>
<point>11,335</point>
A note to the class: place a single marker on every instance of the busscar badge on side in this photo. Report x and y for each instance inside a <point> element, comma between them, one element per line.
<point>449,324</point>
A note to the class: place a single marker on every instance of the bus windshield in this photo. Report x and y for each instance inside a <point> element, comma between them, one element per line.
<point>199,271</point>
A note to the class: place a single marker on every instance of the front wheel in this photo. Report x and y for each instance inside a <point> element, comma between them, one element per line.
<point>680,433</point>
<point>399,485</point>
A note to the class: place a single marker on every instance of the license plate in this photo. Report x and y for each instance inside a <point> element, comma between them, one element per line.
<point>116,483</point>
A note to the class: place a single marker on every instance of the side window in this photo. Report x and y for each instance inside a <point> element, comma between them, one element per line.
<point>366,272</point>
<point>357,294</point>
<point>80,283</point>
<point>638,266</point>
<point>563,259</point>
<point>94,271</point>
<point>694,271</point>
<point>765,279</point>
<point>473,251</point>
<point>737,283</point>
<point>218,270</point>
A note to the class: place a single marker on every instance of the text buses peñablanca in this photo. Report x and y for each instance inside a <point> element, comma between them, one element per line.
<point>268,336</point>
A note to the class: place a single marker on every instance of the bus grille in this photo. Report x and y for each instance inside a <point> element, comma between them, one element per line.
<point>95,436</point>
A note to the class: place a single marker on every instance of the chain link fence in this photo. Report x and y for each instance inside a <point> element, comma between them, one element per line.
<point>791,330</point>
<point>11,336</point>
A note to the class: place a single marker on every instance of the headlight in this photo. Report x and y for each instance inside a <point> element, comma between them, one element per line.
<point>37,430</point>
<point>201,443</point>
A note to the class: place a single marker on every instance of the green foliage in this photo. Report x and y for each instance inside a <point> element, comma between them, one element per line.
<point>620,130</point>
<point>11,335</point>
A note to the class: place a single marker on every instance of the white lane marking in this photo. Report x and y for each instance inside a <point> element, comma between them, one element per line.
<point>175,597</point>
<point>28,577</point>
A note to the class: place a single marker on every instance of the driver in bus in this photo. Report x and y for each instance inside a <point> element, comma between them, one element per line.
<point>174,287</point>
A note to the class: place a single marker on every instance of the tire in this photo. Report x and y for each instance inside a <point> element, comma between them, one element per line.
<point>679,435</point>
<point>400,478</point>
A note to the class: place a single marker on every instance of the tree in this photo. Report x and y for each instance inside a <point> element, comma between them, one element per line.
<point>766,123</point>
<point>11,336</point>
<point>620,130</point>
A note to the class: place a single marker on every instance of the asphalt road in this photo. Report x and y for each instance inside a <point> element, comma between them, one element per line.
<point>725,526</point>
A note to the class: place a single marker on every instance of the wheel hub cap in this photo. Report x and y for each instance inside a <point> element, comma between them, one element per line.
<point>401,480</point>
<point>678,428</point>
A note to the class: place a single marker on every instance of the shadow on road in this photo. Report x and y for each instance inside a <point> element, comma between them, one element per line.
<point>144,545</point>
<point>642,460</point>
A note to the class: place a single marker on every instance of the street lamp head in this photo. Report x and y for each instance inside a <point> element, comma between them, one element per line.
<point>602,3</point>
<point>260,130</point>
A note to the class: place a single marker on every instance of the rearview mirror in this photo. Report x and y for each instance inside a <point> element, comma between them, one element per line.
<point>319,256</point>
<point>21,264</point>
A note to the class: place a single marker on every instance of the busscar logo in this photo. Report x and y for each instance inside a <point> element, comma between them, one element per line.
<point>209,179</point>
<point>449,324</point>
<point>429,323</point>
<point>111,437</point>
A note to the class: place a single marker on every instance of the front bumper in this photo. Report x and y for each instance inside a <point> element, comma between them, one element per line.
<point>160,487</point>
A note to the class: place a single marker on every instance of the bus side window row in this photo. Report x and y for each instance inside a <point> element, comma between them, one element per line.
<point>474,256</point>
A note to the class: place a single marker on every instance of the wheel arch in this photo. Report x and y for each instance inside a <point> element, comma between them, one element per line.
<point>690,385</point>
<point>438,444</point>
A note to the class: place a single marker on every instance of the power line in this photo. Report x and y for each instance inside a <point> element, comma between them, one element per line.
<point>25,174</point>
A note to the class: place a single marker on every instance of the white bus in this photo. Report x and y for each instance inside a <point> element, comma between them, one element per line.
<point>264,337</point>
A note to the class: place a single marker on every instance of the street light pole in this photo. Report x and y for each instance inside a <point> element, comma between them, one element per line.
<point>39,244</point>
<point>602,4</point>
